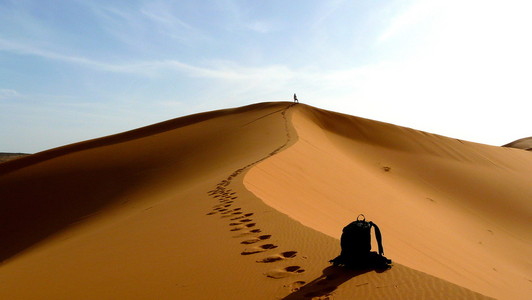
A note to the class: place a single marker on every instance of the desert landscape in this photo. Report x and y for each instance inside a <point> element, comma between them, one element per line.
<point>250,202</point>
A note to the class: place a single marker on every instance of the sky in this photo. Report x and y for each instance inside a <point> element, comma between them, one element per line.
<point>72,70</point>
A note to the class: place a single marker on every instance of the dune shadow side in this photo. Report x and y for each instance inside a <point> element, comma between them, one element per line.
<point>67,191</point>
<point>13,165</point>
<point>57,201</point>
<point>330,279</point>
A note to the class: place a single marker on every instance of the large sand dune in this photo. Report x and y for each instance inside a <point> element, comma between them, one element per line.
<point>249,203</point>
<point>457,210</point>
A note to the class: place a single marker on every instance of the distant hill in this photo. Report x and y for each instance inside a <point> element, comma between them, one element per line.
<point>525,144</point>
<point>9,156</point>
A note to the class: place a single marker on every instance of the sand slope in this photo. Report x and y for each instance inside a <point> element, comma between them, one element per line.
<point>125,216</point>
<point>457,210</point>
<point>524,143</point>
<point>162,212</point>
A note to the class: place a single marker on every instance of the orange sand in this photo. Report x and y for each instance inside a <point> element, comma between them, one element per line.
<point>164,212</point>
<point>457,210</point>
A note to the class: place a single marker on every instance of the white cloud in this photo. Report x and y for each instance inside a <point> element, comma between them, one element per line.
<point>411,17</point>
<point>327,9</point>
<point>220,69</point>
<point>8,94</point>
<point>165,17</point>
<point>261,26</point>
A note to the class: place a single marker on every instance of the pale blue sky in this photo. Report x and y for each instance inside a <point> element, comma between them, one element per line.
<point>72,70</point>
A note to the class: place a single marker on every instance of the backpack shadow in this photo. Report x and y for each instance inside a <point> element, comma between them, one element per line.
<point>330,279</point>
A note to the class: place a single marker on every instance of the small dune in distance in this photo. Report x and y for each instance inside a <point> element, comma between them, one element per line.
<point>525,144</point>
<point>4,156</point>
<point>250,202</point>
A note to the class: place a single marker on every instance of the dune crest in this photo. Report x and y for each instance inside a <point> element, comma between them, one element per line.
<point>454,209</point>
<point>162,212</point>
<point>50,190</point>
<point>129,216</point>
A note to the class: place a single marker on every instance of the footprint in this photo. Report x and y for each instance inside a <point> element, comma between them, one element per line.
<point>295,286</point>
<point>243,234</point>
<point>246,220</point>
<point>237,218</point>
<point>237,228</point>
<point>211,213</point>
<point>278,257</point>
<point>258,239</point>
<point>247,233</point>
<point>285,272</point>
<point>258,249</point>
<point>252,241</point>
<point>248,215</point>
<point>240,226</point>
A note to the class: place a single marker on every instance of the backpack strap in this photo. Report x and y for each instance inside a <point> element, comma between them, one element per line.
<point>378,237</point>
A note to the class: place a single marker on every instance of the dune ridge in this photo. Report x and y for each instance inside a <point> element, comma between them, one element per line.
<point>135,204</point>
<point>165,212</point>
<point>122,166</point>
<point>454,209</point>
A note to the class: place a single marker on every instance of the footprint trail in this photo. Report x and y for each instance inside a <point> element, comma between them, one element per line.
<point>241,222</point>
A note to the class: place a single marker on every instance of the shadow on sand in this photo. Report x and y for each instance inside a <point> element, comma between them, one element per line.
<point>330,279</point>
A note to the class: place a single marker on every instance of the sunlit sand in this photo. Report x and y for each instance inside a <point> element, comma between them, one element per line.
<point>249,203</point>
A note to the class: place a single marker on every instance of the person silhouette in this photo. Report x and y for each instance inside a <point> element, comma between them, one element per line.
<point>295,99</point>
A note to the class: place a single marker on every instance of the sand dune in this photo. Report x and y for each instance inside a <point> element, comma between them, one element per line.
<point>524,143</point>
<point>248,203</point>
<point>457,210</point>
<point>10,156</point>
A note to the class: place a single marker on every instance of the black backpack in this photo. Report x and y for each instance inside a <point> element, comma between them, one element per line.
<point>356,237</point>
<point>356,246</point>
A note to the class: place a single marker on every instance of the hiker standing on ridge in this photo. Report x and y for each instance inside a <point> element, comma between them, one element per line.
<point>295,99</point>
